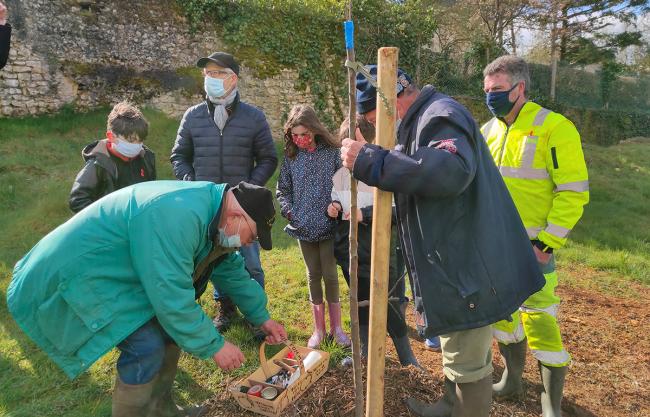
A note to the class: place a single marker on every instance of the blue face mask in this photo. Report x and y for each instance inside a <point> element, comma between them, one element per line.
<point>498,102</point>
<point>214,87</point>
<point>233,241</point>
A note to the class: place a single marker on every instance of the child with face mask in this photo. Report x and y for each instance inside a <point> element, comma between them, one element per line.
<point>116,162</point>
<point>304,192</point>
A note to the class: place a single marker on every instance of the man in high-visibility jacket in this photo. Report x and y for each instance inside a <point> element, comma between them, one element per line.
<point>539,155</point>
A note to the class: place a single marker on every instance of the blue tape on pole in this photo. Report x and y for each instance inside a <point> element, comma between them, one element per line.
<point>348,26</point>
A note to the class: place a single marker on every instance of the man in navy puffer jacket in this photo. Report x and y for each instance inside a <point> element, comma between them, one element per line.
<point>225,140</point>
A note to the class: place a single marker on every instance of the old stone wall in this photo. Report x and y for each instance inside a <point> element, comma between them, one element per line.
<point>89,53</point>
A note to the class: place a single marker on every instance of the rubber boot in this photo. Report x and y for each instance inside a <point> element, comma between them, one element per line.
<point>227,312</point>
<point>318,311</point>
<point>473,398</point>
<point>363,336</point>
<point>553,381</point>
<point>162,403</point>
<point>404,351</point>
<point>336,330</point>
<point>511,385</point>
<point>131,400</point>
<point>441,408</point>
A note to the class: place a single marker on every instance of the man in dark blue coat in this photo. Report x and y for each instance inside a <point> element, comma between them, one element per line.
<point>456,221</point>
<point>225,140</point>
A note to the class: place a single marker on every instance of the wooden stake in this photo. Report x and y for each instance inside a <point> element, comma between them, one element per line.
<point>354,225</point>
<point>382,202</point>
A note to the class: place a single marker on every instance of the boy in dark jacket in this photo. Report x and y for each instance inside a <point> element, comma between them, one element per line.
<point>116,162</point>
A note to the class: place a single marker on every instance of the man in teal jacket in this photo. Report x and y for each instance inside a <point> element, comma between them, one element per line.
<point>126,272</point>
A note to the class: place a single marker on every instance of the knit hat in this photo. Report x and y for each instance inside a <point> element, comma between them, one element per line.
<point>367,93</point>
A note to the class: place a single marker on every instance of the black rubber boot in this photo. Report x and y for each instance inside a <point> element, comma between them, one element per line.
<point>553,381</point>
<point>227,312</point>
<point>404,351</point>
<point>363,337</point>
<point>511,385</point>
<point>473,398</point>
<point>441,408</point>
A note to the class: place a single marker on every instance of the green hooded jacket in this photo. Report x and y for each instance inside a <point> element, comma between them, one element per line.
<point>126,258</point>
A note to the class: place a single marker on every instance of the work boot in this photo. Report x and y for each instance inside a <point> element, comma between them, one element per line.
<point>473,398</point>
<point>441,408</point>
<point>404,351</point>
<point>336,330</point>
<point>162,404</point>
<point>553,381</point>
<point>318,311</point>
<point>131,400</point>
<point>511,385</point>
<point>227,312</point>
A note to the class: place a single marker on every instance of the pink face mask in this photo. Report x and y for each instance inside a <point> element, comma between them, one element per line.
<point>304,141</point>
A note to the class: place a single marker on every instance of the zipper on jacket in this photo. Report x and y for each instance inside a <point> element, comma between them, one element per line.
<point>221,154</point>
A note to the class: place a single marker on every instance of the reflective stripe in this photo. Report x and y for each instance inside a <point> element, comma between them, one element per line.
<point>525,173</point>
<point>488,126</point>
<point>556,230</point>
<point>509,337</point>
<point>533,231</point>
<point>551,310</point>
<point>546,357</point>
<point>529,152</point>
<point>578,186</point>
<point>541,116</point>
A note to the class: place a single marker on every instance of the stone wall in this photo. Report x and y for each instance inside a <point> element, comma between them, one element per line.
<point>89,53</point>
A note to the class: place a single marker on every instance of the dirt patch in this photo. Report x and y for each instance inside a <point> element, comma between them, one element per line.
<point>606,335</point>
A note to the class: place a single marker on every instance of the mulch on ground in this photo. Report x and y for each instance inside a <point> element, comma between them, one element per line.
<point>607,336</point>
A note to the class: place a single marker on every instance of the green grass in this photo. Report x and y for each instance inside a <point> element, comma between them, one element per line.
<point>41,156</point>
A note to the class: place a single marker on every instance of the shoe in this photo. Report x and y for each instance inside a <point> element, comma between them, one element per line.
<point>474,399</point>
<point>441,408</point>
<point>131,400</point>
<point>318,311</point>
<point>433,343</point>
<point>404,351</point>
<point>227,312</point>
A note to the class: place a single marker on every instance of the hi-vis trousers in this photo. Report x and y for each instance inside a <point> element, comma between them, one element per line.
<point>536,320</point>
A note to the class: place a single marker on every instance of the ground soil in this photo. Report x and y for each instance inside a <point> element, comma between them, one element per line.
<point>607,335</point>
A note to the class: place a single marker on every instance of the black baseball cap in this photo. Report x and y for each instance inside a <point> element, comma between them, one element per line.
<point>223,59</point>
<point>257,202</point>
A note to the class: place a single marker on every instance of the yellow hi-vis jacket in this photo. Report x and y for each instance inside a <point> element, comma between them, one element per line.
<point>540,158</point>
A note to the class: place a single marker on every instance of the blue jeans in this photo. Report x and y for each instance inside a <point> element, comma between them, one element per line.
<point>142,353</point>
<point>251,255</point>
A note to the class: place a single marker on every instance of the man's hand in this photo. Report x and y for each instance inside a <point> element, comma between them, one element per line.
<point>333,210</point>
<point>275,332</point>
<point>542,257</point>
<point>350,149</point>
<point>229,357</point>
<point>3,14</point>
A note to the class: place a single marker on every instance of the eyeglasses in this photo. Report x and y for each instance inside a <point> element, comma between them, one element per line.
<point>219,74</point>
<point>301,135</point>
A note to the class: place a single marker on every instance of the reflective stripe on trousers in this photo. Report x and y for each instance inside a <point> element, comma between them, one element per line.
<point>536,320</point>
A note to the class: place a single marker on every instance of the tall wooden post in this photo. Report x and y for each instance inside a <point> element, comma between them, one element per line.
<point>387,81</point>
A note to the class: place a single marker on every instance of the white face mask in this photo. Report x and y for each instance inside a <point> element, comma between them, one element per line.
<point>128,149</point>
<point>233,241</point>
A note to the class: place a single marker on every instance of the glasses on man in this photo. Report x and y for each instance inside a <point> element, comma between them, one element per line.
<point>218,74</point>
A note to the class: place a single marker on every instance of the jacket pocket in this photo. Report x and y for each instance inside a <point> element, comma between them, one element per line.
<point>70,318</point>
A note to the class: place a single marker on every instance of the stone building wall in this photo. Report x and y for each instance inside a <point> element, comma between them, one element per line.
<point>89,53</point>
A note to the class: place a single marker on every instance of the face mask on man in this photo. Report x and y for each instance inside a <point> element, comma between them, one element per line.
<point>499,103</point>
<point>214,87</point>
<point>128,149</point>
<point>233,241</point>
